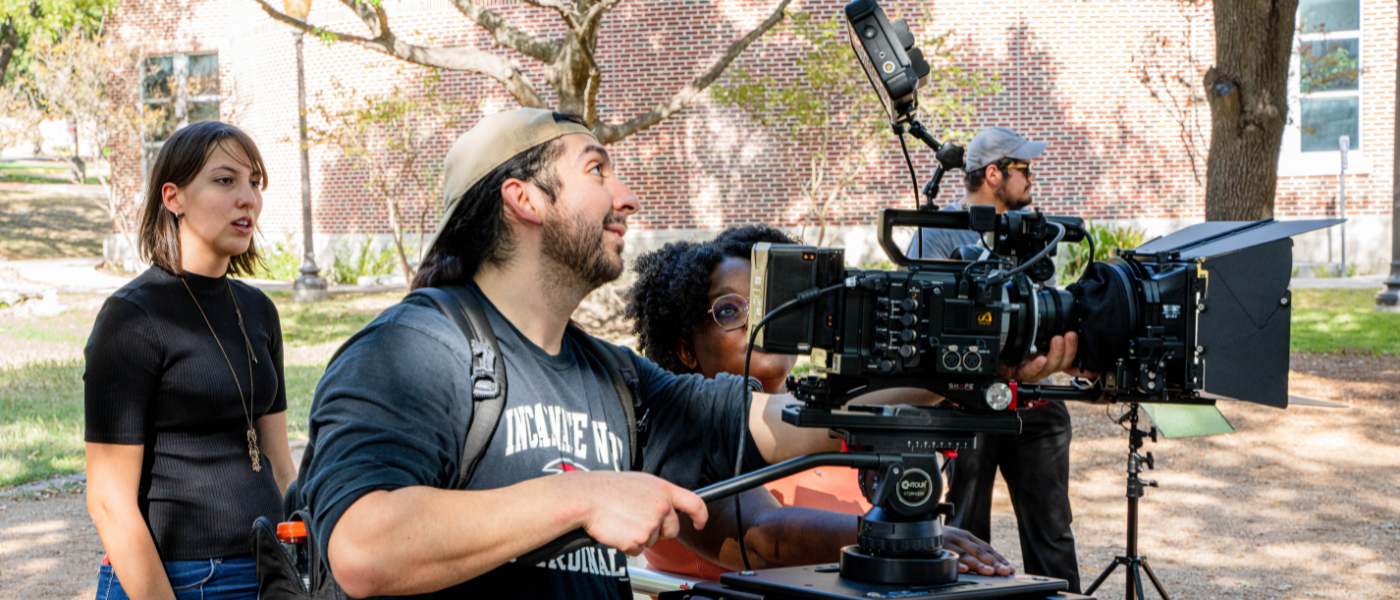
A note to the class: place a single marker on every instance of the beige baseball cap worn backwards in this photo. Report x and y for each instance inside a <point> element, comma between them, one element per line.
<point>493,141</point>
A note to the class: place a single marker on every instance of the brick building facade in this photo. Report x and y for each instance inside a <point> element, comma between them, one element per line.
<point>1071,73</point>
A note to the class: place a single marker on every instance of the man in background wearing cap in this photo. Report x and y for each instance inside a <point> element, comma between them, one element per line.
<point>535,221</point>
<point>1035,464</point>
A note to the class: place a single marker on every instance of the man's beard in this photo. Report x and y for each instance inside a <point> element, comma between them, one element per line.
<point>577,245</point>
<point>1009,202</point>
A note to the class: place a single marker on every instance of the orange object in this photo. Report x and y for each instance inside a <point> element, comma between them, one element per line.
<point>827,488</point>
<point>291,532</point>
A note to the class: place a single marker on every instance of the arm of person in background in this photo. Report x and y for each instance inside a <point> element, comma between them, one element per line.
<point>778,441</point>
<point>272,440</point>
<point>121,380</point>
<point>785,536</point>
<point>113,477</point>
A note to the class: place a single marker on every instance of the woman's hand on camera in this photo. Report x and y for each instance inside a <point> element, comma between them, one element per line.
<point>975,556</point>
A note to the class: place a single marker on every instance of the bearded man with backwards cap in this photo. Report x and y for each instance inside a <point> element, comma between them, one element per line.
<point>1035,463</point>
<point>535,221</point>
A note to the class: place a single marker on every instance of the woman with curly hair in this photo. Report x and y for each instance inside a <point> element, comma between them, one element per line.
<point>689,308</point>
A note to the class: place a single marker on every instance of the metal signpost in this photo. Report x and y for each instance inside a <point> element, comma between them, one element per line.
<point>1345,143</point>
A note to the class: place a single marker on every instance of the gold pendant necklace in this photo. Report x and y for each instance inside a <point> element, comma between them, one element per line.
<point>254,454</point>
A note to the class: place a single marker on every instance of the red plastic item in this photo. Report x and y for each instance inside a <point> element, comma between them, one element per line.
<point>291,532</point>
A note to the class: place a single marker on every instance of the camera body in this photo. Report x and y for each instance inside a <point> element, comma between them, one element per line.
<point>942,325</point>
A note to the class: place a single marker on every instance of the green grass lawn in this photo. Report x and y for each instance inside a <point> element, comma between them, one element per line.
<point>1333,320</point>
<point>41,404</point>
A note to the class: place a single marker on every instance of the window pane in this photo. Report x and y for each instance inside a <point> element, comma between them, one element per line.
<point>1326,120</point>
<point>204,74</point>
<point>203,111</point>
<point>1329,65</point>
<point>159,71</point>
<point>165,123</point>
<point>1329,15</point>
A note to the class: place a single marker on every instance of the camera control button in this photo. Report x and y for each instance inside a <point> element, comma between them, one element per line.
<point>908,320</point>
<point>886,365</point>
<point>906,351</point>
<point>907,335</point>
<point>909,304</point>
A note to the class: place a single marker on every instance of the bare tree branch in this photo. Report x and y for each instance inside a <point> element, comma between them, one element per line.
<point>565,11</point>
<point>588,25</point>
<point>508,35</point>
<point>503,70</point>
<point>608,133</point>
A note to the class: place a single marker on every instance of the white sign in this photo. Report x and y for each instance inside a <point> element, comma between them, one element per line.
<point>1345,143</point>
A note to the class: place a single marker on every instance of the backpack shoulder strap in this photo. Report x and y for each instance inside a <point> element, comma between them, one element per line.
<point>624,377</point>
<point>488,372</point>
<point>488,377</point>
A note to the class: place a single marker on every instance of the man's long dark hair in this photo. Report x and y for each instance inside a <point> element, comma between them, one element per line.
<point>478,233</point>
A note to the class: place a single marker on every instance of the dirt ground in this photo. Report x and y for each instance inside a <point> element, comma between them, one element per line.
<point>1298,504</point>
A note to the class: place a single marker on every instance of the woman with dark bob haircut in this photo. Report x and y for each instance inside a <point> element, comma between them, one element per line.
<point>689,308</point>
<point>184,395</point>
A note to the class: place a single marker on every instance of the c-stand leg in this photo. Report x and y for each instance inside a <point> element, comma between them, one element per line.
<point>1134,564</point>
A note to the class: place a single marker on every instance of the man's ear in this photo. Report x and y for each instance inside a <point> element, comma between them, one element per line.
<point>994,176</point>
<point>686,355</point>
<point>524,200</point>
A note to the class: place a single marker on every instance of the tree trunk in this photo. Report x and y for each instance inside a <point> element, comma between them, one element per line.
<point>9,41</point>
<point>1248,94</point>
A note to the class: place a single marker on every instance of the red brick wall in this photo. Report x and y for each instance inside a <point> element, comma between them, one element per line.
<point>1114,151</point>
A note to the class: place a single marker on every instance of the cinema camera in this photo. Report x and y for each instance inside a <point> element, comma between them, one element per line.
<point>1190,318</point>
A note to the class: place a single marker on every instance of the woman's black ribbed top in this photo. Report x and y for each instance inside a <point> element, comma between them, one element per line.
<point>155,378</point>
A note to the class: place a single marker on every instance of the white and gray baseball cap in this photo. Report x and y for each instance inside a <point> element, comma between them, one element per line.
<point>996,143</point>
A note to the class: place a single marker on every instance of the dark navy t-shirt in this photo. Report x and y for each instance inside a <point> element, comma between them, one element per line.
<point>393,409</point>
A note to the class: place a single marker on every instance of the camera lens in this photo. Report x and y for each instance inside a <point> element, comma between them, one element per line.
<point>870,32</point>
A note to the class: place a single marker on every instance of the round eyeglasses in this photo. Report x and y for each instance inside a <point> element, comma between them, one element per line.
<point>730,311</point>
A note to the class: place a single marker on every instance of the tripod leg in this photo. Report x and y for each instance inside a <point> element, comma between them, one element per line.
<point>1155,582</point>
<point>1135,583</point>
<point>1102,576</point>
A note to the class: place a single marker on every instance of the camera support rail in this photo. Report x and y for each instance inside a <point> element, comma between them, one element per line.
<point>1134,564</point>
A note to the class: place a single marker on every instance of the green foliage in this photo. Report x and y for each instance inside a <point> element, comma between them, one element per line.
<point>830,120</point>
<point>350,264</point>
<point>281,262</point>
<point>1330,320</point>
<point>31,21</point>
<point>1107,238</point>
<point>389,138</point>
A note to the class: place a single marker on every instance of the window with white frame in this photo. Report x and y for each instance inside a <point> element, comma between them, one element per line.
<point>185,87</point>
<point>1325,90</point>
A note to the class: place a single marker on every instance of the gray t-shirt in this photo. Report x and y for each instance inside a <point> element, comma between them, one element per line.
<point>940,243</point>
<point>392,411</point>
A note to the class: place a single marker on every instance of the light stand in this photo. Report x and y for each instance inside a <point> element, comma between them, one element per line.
<point>1134,564</point>
<point>310,287</point>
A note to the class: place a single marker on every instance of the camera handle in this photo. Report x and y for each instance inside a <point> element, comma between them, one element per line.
<point>578,538</point>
